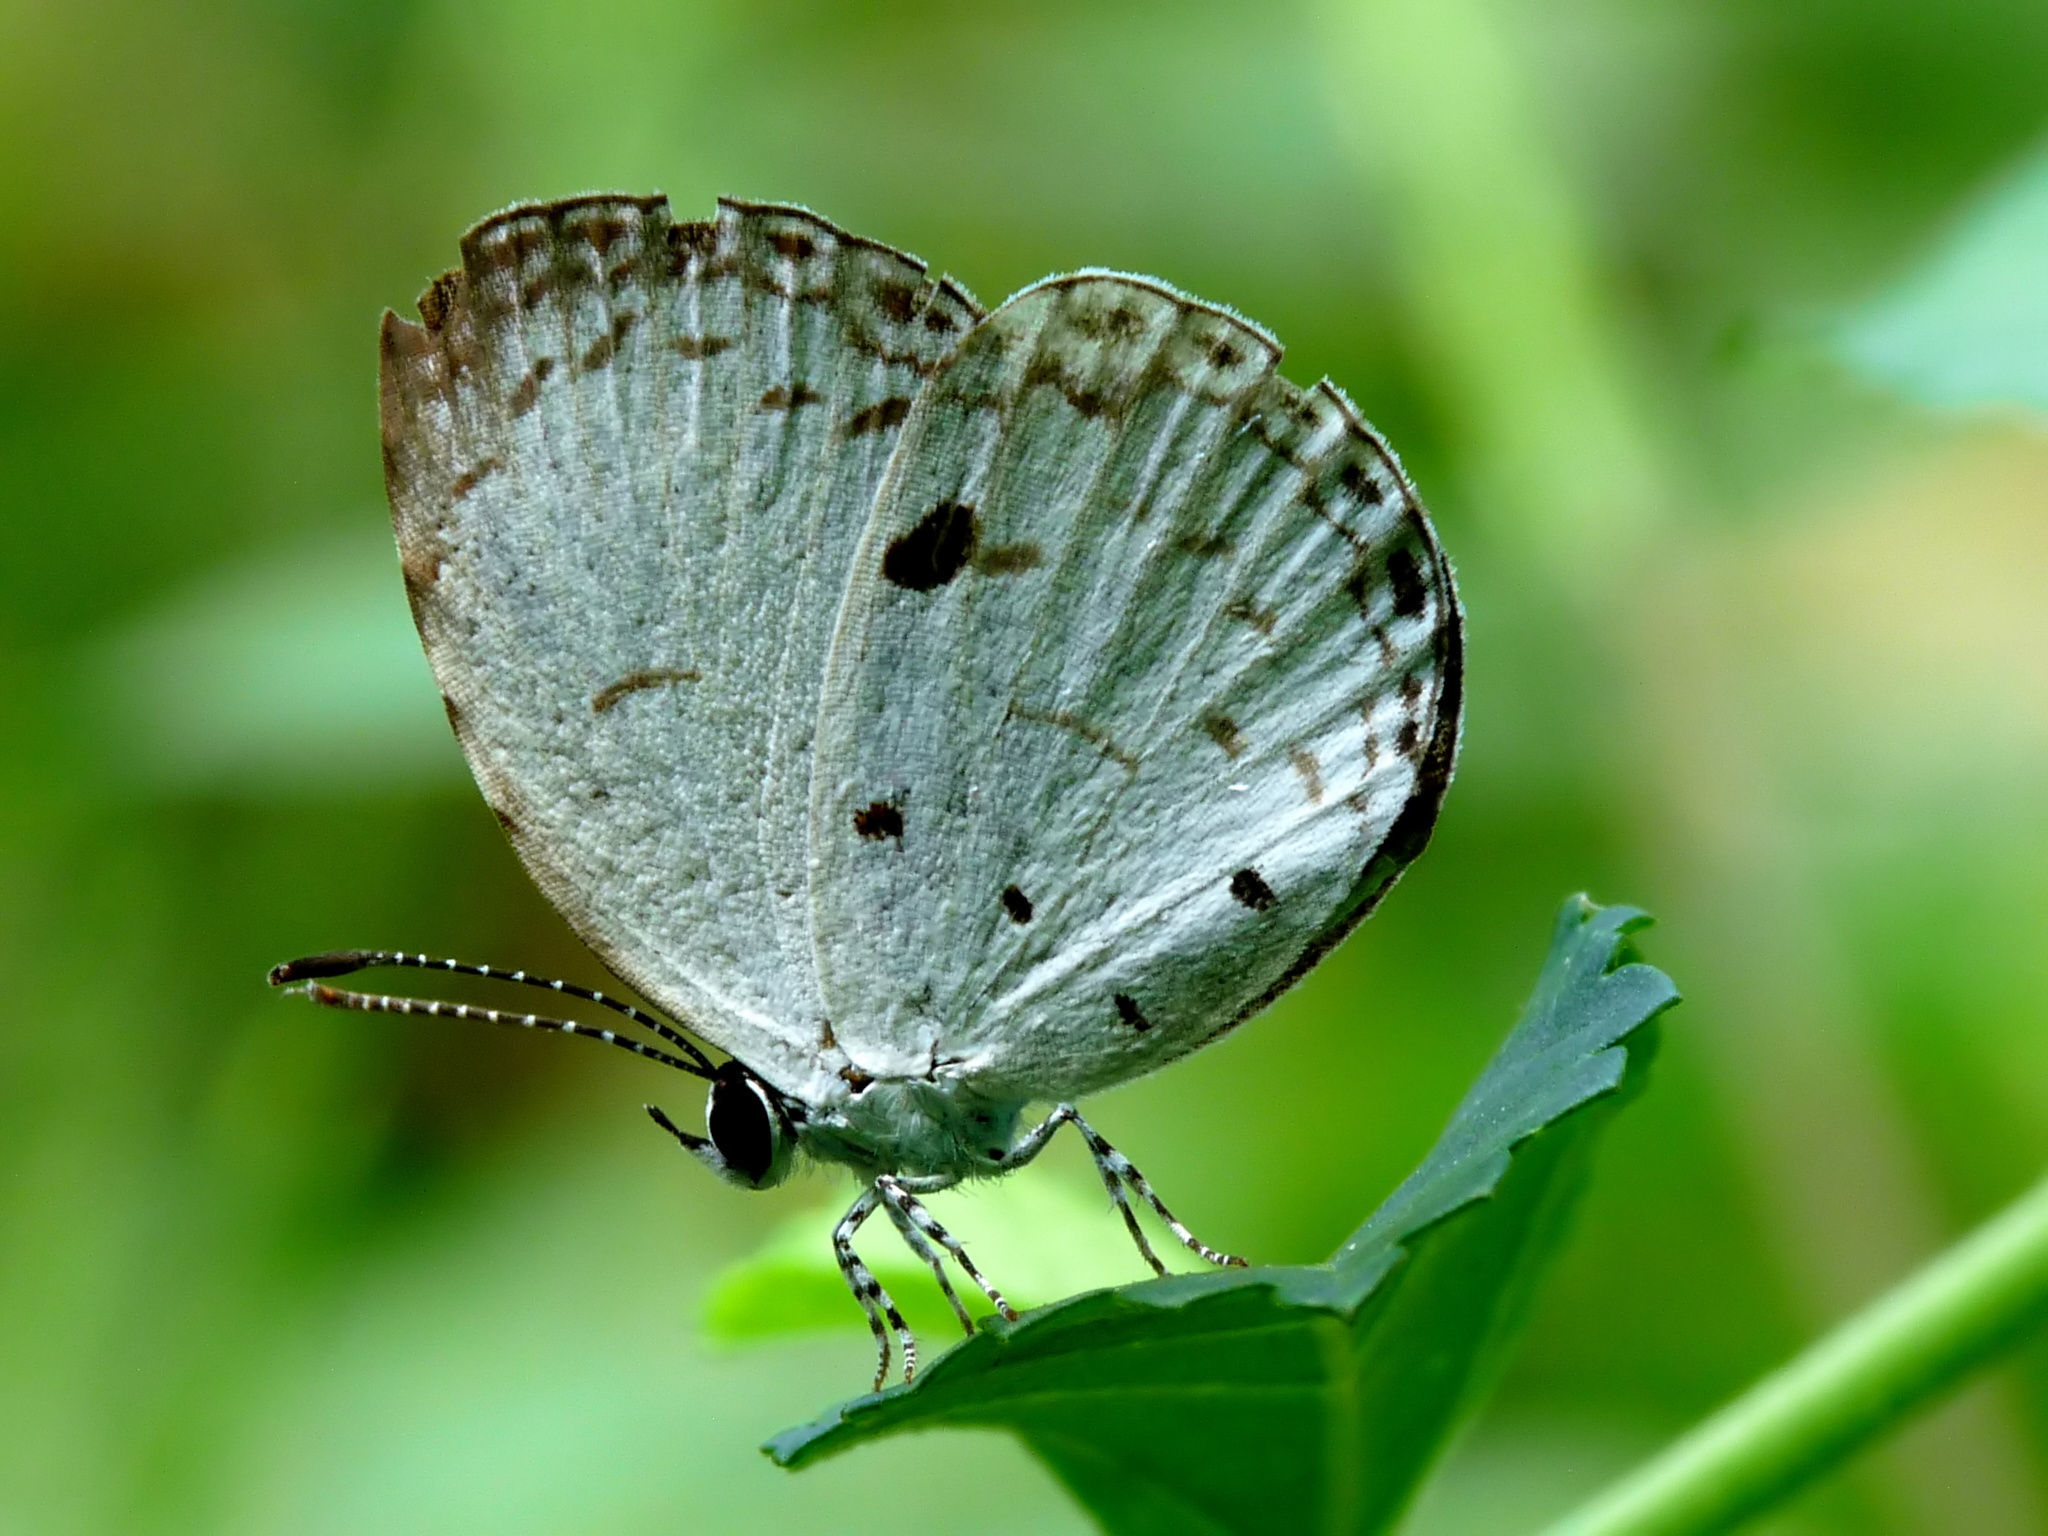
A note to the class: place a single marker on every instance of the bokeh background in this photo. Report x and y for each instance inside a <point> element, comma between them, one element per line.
<point>1669,307</point>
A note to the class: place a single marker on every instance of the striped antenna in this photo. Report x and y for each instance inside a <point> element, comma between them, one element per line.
<point>344,962</point>
<point>372,1002</point>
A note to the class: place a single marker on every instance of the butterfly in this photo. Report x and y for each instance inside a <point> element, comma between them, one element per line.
<point>937,711</point>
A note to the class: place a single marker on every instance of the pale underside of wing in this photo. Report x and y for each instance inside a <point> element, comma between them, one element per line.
<point>1146,686</point>
<point>628,461</point>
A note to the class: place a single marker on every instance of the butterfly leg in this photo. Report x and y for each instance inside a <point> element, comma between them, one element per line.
<point>867,1290</point>
<point>911,1215</point>
<point>914,1239</point>
<point>1115,1171</point>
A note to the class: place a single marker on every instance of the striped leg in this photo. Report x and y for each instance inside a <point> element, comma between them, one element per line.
<point>915,1241</point>
<point>908,1208</point>
<point>1116,1171</point>
<point>867,1290</point>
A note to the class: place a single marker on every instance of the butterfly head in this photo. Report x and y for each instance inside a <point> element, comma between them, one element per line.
<point>753,1135</point>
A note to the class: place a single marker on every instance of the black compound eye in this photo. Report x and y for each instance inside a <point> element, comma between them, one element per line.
<point>742,1122</point>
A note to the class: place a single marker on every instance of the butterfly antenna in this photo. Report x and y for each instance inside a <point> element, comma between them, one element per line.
<point>372,1002</point>
<point>344,962</point>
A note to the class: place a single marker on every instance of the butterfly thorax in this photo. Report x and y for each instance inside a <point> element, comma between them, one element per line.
<point>914,1128</point>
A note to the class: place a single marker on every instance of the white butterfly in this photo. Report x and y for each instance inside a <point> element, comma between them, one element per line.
<point>937,711</point>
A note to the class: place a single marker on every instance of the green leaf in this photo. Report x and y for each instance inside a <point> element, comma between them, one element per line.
<point>1313,1398</point>
<point>1969,327</point>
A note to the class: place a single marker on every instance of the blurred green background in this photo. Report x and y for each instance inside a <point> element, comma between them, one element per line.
<point>1754,641</point>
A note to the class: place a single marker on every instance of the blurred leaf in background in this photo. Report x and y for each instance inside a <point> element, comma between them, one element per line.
<point>262,1269</point>
<point>1969,325</point>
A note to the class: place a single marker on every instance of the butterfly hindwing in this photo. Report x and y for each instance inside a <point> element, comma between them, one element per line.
<point>1146,685</point>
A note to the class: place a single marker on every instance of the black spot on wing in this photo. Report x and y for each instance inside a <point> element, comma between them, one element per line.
<point>933,552</point>
<point>1017,904</point>
<point>879,820</point>
<point>1355,480</point>
<point>1127,1010</point>
<point>1406,578</point>
<point>1250,887</point>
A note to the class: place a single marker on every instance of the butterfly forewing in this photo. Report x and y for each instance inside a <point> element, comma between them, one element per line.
<point>1145,687</point>
<point>628,462</point>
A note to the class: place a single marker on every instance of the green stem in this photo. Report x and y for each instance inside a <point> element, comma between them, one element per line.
<point>1855,1384</point>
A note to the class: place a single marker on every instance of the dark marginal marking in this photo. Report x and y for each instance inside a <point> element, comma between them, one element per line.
<point>687,241</point>
<point>787,397</point>
<point>454,714</point>
<point>1095,736</point>
<point>1261,619</point>
<point>879,820</point>
<point>1017,904</point>
<point>1008,559</point>
<point>1224,355</point>
<point>1406,577</point>
<point>794,244</point>
<point>933,552</point>
<point>1250,887</point>
<point>441,299</point>
<point>1311,772</point>
<point>697,348</point>
<point>468,480</point>
<point>527,393</point>
<point>535,289</point>
<point>1203,546</point>
<point>511,827</point>
<point>1410,833</point>
<point>1411,689</point>
<point>602,230</point>
<point>937,321</point>
<point>1127,1010</point>
<point>1046,371</point>
<point>1355,480</point>
<point>1411,736</point>
<point>896,300</point>
<point>634,682</point>
<point>879,417</point>
<point>420,572</point>
<point>1222,730</point>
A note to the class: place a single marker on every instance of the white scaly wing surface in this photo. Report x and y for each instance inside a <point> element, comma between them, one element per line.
<point>628,461</point>
<point>1146,686</point>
